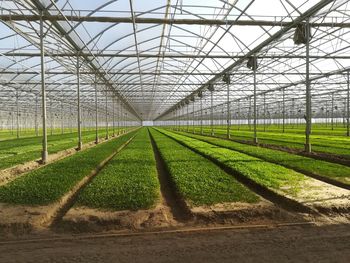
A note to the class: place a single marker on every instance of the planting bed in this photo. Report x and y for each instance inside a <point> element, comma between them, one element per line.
<point>129,181</point>
<point>330,172</point>
<point>19,151</point>
<point>332,145</point>
<point>126,193</point>
<point>36,193</point>
<point>206,189</point>
<point>291,188</point>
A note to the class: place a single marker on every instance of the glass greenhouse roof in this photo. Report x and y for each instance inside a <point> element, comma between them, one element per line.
<point>155,55</point>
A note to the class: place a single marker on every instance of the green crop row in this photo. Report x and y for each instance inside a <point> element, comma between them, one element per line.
<point>271,176</point>
<point>337,145</point>
<point>303,164</point>
<point>17,151</point>
<point>129,181</point>
<point>49,183</point>
<point>197,180</point>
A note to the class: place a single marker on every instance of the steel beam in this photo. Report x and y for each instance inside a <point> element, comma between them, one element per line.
<point>169,21</point>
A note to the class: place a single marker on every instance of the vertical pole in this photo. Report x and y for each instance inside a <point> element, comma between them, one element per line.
<point>106,115</point>
<point>113,113</point>
<point>201,105</point>
<point>12,123</point>
<point>96,112</point>
<point>188,118</point>
<point>80,143</point>
<point>332,112</point>
<point>122,117</point>
<point>348,106</point>
<point>51,117</point>
<point>211,114</point>
<point>118,117</point>
<point>44,153</point>
<point>36,117</point>
<point>255,111</point>
<point>228,135</point>
<point>250,113</point>
<point>70,118</point>
<point>17,119</point>
<point>193,116</point>
<point>264,112</point>
<point>62,118</point>
<point>283,110</point>
<point>308,91</point>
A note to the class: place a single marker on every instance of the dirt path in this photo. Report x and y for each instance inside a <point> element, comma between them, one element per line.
<point>283,244</point>
<point>176,206</point>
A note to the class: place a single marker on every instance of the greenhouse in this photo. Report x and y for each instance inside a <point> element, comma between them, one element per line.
<point>190,119</point>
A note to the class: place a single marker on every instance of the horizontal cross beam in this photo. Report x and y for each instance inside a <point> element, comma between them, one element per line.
<point>145,20</point>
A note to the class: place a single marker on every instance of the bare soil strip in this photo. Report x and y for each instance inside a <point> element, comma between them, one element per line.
<point>10,174</point>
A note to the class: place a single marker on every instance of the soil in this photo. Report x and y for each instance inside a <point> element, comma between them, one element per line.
<point>300,243</point>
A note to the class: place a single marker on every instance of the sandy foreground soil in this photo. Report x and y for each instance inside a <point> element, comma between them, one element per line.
<point>328,243</point>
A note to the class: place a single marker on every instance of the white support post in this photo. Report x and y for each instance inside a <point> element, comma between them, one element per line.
<point>44,154</point>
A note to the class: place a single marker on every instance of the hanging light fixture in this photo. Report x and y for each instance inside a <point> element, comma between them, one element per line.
<point>252,63</point>
<point>300,34</point>
<point>211,87</point>
<point>226,78</point>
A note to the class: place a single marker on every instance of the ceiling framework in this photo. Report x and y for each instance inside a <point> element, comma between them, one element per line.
<point>152,57</point>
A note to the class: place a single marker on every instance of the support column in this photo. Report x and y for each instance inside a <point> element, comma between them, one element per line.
<point>201,105</point>
<point>52,118</point>
<point>308,91</point>
<point>188,117</point>
<point>193,117</point>
<point>283,110</point>
<point>264,112</point>
<point>332,112</point>
<point>118,117</point>
<point>228,135</point>
<point>250,113</point>
<point>255,111</point>
<point>211,114</point>
<point>80,143</point>
<point>113,113</point>
<point>17,111</point>
<point>96,112</point>
<point>36,117</point>
<point>44,153</point>
<point>107,135</point>
<point>348,106</point>
<point>62,119</point>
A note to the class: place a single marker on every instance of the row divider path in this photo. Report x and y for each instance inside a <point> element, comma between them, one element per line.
<point>176,204</point>
<point>9,174</point>
<point>313,175</point>
<point>60,208</point>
